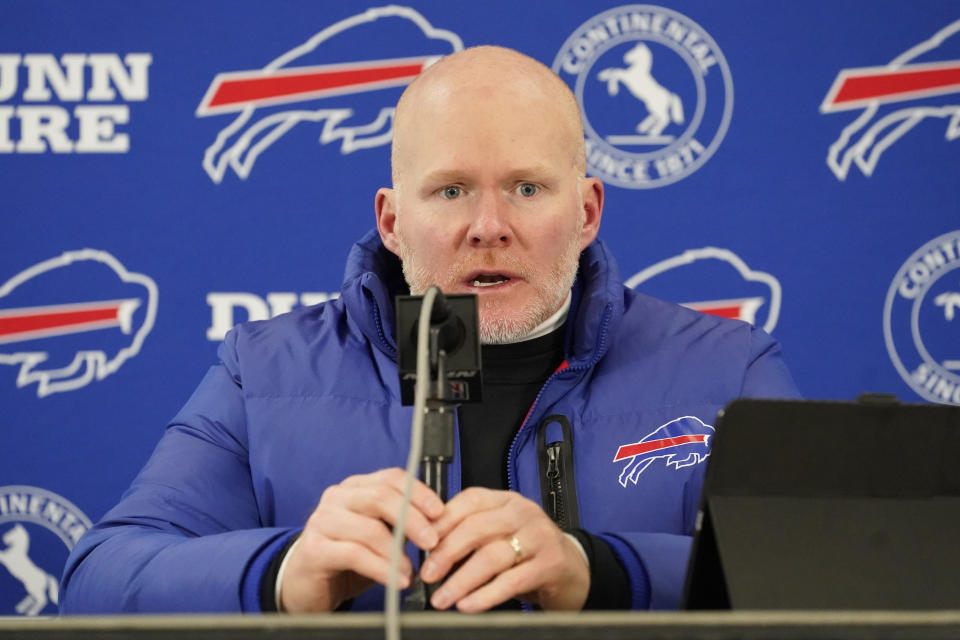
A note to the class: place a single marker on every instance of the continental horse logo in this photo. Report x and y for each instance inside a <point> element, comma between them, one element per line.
<point>663,107</point>
<point>678,101</point>
<point>41,587</point>
<point>31,522</point>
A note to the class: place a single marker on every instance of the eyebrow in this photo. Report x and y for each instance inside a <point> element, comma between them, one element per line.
<point>443,175</point>
<point>536,170</point>
<point>458,175</point>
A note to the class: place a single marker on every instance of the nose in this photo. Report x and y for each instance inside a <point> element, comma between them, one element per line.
<point>490,227</point>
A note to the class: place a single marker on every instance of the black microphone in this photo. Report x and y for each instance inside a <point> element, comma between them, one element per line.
<point>441,308</point>
<point>451,332</point>
<point>455,321</point>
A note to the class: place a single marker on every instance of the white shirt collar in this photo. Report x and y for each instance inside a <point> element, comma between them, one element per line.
<point>550,324</point>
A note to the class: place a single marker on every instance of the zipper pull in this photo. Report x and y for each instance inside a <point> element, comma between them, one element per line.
<point>558,491</point>
<point>553,481</point>
<point>553,460</point>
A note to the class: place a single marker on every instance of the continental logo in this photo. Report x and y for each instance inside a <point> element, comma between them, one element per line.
<point>921,320</point>
<point>37,530</point>
<point>655,91</point>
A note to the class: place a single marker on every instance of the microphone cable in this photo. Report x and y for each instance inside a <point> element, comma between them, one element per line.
<point>392,594</point>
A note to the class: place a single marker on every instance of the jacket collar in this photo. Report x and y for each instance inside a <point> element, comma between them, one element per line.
<point>373,277</point>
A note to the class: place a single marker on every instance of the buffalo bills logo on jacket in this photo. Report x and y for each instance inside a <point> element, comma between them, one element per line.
<point>679,443</point>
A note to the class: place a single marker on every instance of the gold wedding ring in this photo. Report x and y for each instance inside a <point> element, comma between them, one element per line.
<point>517,549</point>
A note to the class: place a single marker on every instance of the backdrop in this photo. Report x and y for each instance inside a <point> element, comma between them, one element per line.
<point>169,169</point>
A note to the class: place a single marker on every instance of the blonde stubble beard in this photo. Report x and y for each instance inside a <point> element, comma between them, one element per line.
<point>499,325</point>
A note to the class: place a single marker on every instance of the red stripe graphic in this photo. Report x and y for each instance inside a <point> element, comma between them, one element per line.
<point>736,308</point>
<point>37,322</point>
<point>730,311</point>
<point>638,448</point>
<point>854,87</point>
<point>236,90</point>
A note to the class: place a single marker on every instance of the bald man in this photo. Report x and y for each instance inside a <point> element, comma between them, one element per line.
<point>577,479</point>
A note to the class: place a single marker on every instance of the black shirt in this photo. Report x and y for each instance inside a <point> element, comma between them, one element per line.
<point>513,375</point>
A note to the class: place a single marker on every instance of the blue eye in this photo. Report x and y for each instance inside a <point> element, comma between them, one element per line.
<point>451,192</point>
<point>528,190</point>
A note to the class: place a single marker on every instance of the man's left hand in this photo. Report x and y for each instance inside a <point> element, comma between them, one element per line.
<point>512,550</point>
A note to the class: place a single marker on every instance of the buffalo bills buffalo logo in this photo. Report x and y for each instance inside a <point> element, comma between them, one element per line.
<point>680,443</point>
<point>73,319</point>
<point>919,84</point>
<point>319,81</point>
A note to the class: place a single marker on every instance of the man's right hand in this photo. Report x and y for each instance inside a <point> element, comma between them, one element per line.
<point>345,545</point>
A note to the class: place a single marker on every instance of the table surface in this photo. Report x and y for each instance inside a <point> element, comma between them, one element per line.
<point>841,625</point>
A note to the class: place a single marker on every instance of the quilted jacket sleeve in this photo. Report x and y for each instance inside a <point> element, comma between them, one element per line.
<point>177,541</point>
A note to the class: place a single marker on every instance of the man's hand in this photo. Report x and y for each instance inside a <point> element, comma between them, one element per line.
<point>545,568</point>
<point>345,546</point>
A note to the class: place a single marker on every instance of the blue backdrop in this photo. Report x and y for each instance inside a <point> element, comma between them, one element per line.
<point>169,169</point>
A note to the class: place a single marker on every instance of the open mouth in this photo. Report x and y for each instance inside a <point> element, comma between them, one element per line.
<point>488,280</point>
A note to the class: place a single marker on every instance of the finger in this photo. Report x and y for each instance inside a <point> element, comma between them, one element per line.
<point>474,518</point>
<point>382,501</point>
<point>337,523</point>
<point>468,502</point>
<point>422,496</point>
<point>521,579</point>
<point>552,575</point>
<point>329,525</point>
<point>471,534</point>
<point>486,564</point>
<point>351,556</point>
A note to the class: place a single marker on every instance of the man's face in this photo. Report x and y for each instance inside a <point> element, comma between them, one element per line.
<point>490,202</point>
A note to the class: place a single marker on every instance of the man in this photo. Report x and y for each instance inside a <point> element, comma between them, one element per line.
<point>489,197</point>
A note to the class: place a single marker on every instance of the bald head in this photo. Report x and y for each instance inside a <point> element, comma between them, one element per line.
<point>489,194</point>
<point>481,78</point>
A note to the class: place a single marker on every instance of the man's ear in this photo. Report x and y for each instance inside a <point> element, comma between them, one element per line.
<point>591,190</point>
<point>386,207</point>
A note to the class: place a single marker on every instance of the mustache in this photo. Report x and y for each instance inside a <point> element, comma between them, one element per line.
<point>488,262</point>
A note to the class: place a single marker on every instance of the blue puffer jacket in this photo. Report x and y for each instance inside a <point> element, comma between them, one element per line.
<point>304,400</point>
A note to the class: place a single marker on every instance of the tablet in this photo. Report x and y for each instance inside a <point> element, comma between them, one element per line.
<point>829,505</point>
